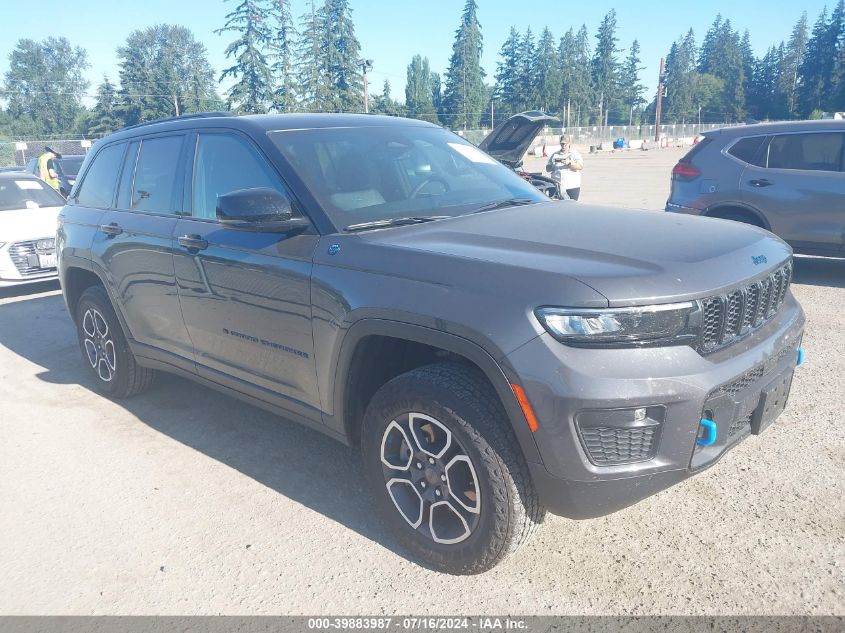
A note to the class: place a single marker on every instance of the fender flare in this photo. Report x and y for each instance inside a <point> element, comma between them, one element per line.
<point>743,206</point>
<point>499,373</point>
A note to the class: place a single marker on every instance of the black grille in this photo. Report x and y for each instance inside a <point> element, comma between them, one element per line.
<point>25,258</point>
<point>727,318</point>
<point>608,446</point>
<point>737,385</point>
<point>740,424</point>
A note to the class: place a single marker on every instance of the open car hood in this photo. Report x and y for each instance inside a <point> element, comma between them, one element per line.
<point>510,140</point>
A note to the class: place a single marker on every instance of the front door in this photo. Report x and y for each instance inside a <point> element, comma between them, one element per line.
<point>245,294</point>
<point>801,189</point>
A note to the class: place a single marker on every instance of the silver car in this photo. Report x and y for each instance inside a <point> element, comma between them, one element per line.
<point>788,178</point>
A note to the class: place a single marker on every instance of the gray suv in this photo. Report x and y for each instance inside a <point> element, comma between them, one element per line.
<point>788,178</point>
<point>494,354</point>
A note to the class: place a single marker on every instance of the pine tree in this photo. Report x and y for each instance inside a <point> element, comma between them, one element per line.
<point>605,66</point>
<point>547,75</point>
<point>793,59</point>
<point>437,96</point>
<point>632,89</point>
<point>104,118</point>
<point>464,94</point>
<point>525,79</point>
<point>340,51</point>
<point>385,104</point>
<point>721,56</point>
<point>419,91</point>
<point>282,45</point>
<point>507,75</point>
<point>576,80</point>
<point>679,105</point>
<point>816,67</point>
<point>252,91</point>
<point>312,88</point>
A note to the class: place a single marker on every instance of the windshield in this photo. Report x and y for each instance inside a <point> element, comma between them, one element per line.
<point>27,193</point>
<point>366,174</point>
<point>70,165</point>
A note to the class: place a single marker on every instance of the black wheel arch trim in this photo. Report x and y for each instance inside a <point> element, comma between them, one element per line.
<point>739,206</point>
<point>498,373</point>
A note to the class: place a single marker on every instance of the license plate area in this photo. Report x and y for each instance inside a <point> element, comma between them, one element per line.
<point>47,261</point>
<point>772,402</point>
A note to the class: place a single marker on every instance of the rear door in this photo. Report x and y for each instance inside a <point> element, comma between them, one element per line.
<point>799,186</point>
<point>245,294</point>
<point>135,247</point>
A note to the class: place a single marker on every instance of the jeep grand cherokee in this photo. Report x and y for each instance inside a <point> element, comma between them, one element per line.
<point>494,354</point>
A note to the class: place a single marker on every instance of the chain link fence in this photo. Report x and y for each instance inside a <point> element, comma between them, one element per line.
<point>19,153</point>
<point>599,136</point>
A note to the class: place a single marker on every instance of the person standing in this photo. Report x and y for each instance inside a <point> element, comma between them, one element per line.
<point>565,166</point>
<point>47,170</point>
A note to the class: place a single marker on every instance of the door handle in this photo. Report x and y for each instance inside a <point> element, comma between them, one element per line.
<point>193,242</point>
<point>760,182</point>
<point>111,229</point>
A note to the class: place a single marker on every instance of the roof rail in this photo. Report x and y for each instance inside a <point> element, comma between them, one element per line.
<point>181,117</point>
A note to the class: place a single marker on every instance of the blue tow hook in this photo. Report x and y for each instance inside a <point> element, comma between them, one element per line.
<point>800,359</point>
<point>709,437</point>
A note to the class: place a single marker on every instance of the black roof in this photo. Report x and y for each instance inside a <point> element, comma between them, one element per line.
<point>261,123</point>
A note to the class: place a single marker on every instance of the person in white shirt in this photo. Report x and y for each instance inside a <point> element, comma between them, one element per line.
<point>565,166</point>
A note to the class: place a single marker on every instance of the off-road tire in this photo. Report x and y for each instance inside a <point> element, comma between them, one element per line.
<point>462,399</point>
<point>127,376</point>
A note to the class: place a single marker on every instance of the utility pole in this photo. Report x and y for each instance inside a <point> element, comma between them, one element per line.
<point>492,123</point>
<point>661,89</point>
<point>366,66</point>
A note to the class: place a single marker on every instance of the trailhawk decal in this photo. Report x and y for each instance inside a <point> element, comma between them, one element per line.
<point>266,343</point>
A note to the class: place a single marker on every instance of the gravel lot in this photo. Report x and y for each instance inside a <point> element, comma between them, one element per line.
<point>183,501</point>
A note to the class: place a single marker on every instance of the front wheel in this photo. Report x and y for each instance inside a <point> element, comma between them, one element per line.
<point>445,469</point>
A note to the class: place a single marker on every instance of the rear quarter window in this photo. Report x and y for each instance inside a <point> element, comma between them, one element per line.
<point>97,189</point>
<point>696,149</point>
<point>749,150</point>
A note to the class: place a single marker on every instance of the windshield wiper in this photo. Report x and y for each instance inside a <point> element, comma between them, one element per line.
<point>380,224</point>
<point>502,204</point>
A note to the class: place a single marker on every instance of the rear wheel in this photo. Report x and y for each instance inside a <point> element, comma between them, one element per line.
<point>105,349</point>
<point>445,469</point>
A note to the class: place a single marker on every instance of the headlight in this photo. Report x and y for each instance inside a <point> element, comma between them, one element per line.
<point>668,324</point>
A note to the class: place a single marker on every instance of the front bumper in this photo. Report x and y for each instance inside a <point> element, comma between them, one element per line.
<point>562,381</point>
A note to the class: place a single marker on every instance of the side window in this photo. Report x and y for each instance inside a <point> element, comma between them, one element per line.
<point>97,190</point>
<point>127,176</point>
<point>226,163</point>
<point>748,150</point>
<point>820,151</point>
<point>156,179</point>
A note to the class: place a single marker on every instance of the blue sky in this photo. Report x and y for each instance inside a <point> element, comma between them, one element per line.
<point>392,31</point>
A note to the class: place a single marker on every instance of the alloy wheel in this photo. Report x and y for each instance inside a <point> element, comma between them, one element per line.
<point>430,478</point>
<point>99,345</point>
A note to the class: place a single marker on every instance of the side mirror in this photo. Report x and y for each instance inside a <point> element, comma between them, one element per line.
<point>260,207</point>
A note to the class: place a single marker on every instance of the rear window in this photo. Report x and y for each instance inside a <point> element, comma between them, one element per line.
<point>27,193</point>
<point>819,151</point>
<point>748,150</point>
<point>97,190</point>
<point>704,142</point>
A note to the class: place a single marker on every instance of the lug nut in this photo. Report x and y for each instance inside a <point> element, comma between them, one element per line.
<point>419,465</point>
<point>437,492</point>
<point>442,477</point>
<point>430,460</point>
<point>422,484</point>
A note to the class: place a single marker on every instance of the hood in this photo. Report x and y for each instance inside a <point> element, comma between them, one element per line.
<point>510,140</point>
<point>630,257</point>
<point>28,224</point>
